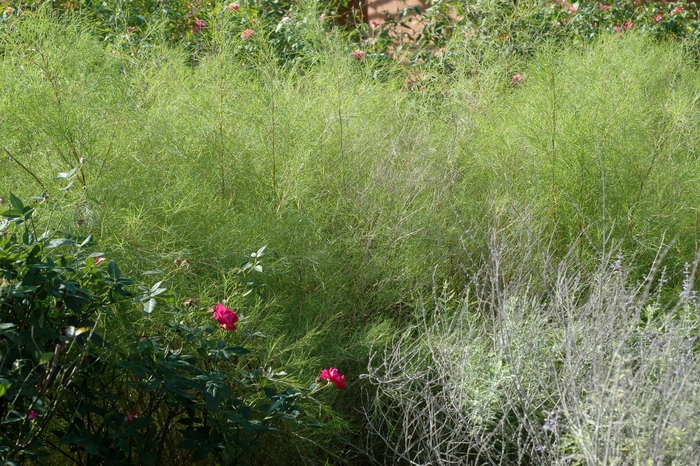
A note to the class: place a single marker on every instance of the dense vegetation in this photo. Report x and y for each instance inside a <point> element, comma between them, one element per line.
<point>492,234</point>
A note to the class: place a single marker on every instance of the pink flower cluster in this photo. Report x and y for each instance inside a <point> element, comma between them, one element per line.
<point>247,34</point>
<point>516,80</point>
<point>225,317</point>
<point>131,418</point>
<point>233,6</point>
<point>358,54</point>
<point>331,374</point>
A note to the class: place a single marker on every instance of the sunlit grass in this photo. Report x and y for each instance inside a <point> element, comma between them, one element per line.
<point>366,192</point>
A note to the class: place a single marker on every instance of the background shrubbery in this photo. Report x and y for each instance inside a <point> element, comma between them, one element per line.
<point>513,258</point>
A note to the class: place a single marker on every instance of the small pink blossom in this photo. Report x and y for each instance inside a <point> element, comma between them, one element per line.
<point>629,25</point>
<point>225,317</point>
<point>573,9</point>
<point>658,18</point>
<point>247,34</point>
<point>100,259</point>
<point>374,24</point>
<point>358,54</point>
<point>516,79</point>
<point>131,29</point>
<point>680,9</point>
<point>322,17</point>
<point>32,414</point>
<point>332,375</point>
<point>131,418</point>
<point>199,25</point>
<point>616,28</point>
<point>605,7</point>
<point>233,6</point>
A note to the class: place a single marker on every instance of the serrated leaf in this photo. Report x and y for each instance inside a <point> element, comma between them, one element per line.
<point>45,358</point>
<point>188,444</point>
<point>113,270</point>
<point>155,287</point>
<point>238,350</point>
<point>57,242</point>
<point>16,202</point>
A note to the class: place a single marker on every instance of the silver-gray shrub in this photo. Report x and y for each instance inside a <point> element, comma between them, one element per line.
<point>542,361</point>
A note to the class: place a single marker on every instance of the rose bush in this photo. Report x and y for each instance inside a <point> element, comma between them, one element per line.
<point>168,391</point>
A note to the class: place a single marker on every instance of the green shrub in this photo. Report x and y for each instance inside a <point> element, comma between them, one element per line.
<point>182,391</point>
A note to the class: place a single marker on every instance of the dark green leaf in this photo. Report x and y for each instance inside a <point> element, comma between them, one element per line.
<point>16,202</point>
<point>189,444</point>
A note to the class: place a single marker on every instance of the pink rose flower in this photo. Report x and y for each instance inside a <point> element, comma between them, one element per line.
<point>573,9</point>
<point>225,317</point>
<point>32,414</point>
<point>332,375</point>
<point>616,28</point>
<point>233,7</point>
<point>199,25</point>
<point>131,29</point>
<point>629,25</point>
<point>516,79</point>
<point>131,418</point>
<point>605,7</point>
<point>322,17</point>
<point>247,34</point>
<point>680,9</point>
<point>358,54</point>
<point>658,18</point>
